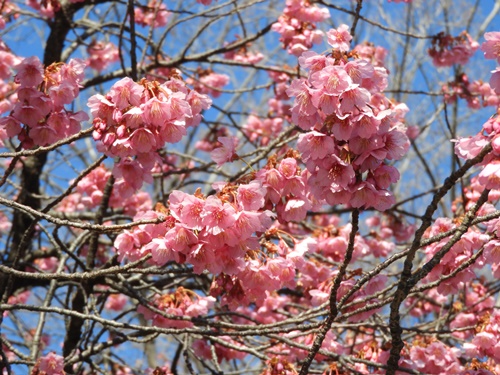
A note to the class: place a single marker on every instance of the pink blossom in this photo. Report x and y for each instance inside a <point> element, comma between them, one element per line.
<point>315,145</point>
<point>495,79</point>
<point>489,177</point>
<point>251,196</point>
<point>491,47</point>
<point>29,72</point>
<point>332,79</point>
<point>155,14</point>
<point>116,302</point>
<point>217,216</point>
<point>339,38</point>
<point>227,152</point>
<point>468,148</point>
<point>51,364</point>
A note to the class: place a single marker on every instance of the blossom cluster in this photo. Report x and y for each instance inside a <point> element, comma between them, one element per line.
<point>155,14</point>
<point>461,252</point>
<point>476,93</point>
<point>350,127</point>
<point>50,364</point>
<point>297,28</point>
<point>90,190</point>
<point>219,233</point>
<point>181,303</point>
<point>101,55</point>
<point>243,54</point>
<point>38,116</point>
<point>208,82</point>
<point>9,12</point>
<point>447,50</point>
<point>486,342</point>
<point>135,119</point>
<point>7,86</point>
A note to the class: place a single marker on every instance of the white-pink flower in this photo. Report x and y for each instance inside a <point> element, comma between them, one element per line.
<point>227,152</point>
<point>340,38</point>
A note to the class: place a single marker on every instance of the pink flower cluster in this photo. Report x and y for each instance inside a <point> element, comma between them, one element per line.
<point>89,193</point>
<point>476,308</point>
<point>486,343</point>
<point>286,188</point>
<point>351,128</point>
<point>181,303</point>
<point>244,55</point>
<point>476,93</point>
<point>468,148</point>
<point>9,12</point>
<point>155,14</point>
<point>447,50</point>
<point>374,54</point>
<point>262,130</point>
<point>461,252</point>
<point>218,233</point>
<point>135,119</point>
<point>434,357</point>
<point>102,54</point>
<point>50,364</point>
<point>297,26</point>
<point>7,87</point>
<point>41,97</point>
<point>208,82</point>
<point>46,8</point>
<point>491,49</point>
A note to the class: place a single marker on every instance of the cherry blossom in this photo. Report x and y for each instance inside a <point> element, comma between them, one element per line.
<point>50,364</point>
<point>491,47</point>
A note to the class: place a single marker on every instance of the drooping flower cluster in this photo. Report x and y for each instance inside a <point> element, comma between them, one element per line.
<point>135,119</point>
<point>50,364</point>
<point>102,54</point>
<point>182,303</point>
<point>243,54</point>
<point>90,190</point>
<point>155,14</point>
<point>297,26</point>
<point>476,93</point>
<point>461,252</point>
<point>208,82</point>
<point>7,86</point>
<point>262,130</point>
<point>486,342</point>
<point>447,50</point>
<point>351,128</point>
<point>218,233</point>
<point>38,116</point>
